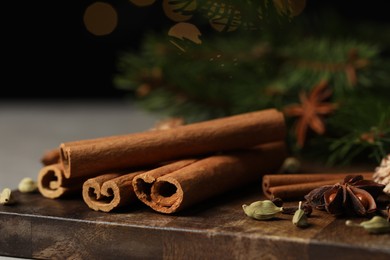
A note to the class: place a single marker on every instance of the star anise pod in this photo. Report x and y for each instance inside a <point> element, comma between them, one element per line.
<point>311,111</point>
<point>352,196</point>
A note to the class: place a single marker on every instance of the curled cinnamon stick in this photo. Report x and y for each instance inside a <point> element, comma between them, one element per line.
<point>109,191</point>
<point>52,184</point>
<point>142,183</point>
<point>213,175</point>
<point>140,149</point>
<point>296,186</point>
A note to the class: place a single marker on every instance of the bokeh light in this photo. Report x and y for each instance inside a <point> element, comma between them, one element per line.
<point>100,18</point>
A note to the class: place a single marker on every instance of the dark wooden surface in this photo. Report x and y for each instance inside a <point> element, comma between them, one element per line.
<point>37,227</point>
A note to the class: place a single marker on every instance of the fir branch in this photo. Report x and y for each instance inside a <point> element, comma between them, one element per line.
<point>244,72</point>
<point>360,128</point>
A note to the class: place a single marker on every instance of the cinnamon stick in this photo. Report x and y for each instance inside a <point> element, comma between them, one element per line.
<point>51,180</point>
<point>52,184</point>
<point>50,157</point>
<point>296,186</point>
<point>210,176</point>
<point>140,149</point>
<point>142,183</point>
<point>53,156</point>
<point>109,191</point>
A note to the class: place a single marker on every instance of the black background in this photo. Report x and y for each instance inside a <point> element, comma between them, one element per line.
<point>48,53</point>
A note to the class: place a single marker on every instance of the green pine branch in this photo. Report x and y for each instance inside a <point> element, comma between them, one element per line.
<point>241,72</point>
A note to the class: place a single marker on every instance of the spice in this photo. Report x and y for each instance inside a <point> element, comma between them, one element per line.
<point>6,197</point>
<point>376,225</point>
<point>207,177</point>
<point>27,185</point>
<point>296,186</point>
<point>114,153</point>
<point>305,207</point>
<point>354,196</point>
<point>300,218</point>
<point>262,210</point>
<point>109,191</point>
<point>311,110</point>
<point>53,184</point>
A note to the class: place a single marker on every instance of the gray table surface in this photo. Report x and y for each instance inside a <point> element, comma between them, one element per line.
<point>28,128</point>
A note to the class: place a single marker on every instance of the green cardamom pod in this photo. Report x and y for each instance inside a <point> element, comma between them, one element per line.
<point>261,210</point>
<point>27,185</point>
<point>377,224</point>
<point>6,197</point>
<point>300,219</point>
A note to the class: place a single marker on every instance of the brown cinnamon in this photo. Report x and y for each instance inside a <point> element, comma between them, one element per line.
<point>52,184</point>
<point>140,149</point>
<point>51,157</point>
<point>210,176</point>
<point>296,186</point>
<point>109,191</point>
<point>142,183</point>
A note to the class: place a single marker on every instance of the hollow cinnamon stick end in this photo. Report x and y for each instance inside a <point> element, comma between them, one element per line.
<point>50,181</point>
<point>91,193</point>
<point>99,198</point>
<point>142,185</point>
<point>167,196</point>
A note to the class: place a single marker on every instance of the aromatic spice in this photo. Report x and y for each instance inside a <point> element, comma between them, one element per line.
<point>293,187</point>
<point>354,196</point>
<point>277,201</point>
<point>376,225</point>
<point>262,210</point>
<point>307,209</point>
<point>6,197</point>
<point>27,185</point>
<point>300,218</point>
<point>311,110</point>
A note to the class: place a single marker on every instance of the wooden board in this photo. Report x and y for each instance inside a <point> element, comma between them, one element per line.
<point>43,228</point>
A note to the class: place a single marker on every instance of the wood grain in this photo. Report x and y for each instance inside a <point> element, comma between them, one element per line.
<point>42,228</point>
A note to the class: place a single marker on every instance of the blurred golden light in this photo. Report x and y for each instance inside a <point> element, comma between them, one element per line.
<point>100,18</point>
<point>185,30</point>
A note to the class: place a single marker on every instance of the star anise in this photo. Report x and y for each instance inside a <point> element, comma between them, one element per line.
<point>352,196</point>
<point>311,110</point>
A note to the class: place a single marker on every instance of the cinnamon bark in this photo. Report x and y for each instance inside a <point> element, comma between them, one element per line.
<point>51,157</point>
<point>211,176</point>
<point>52,184</point>
<point>109,191</point>
<point>140,149</point>
<point>296,186</point>
<point>142,183</point>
